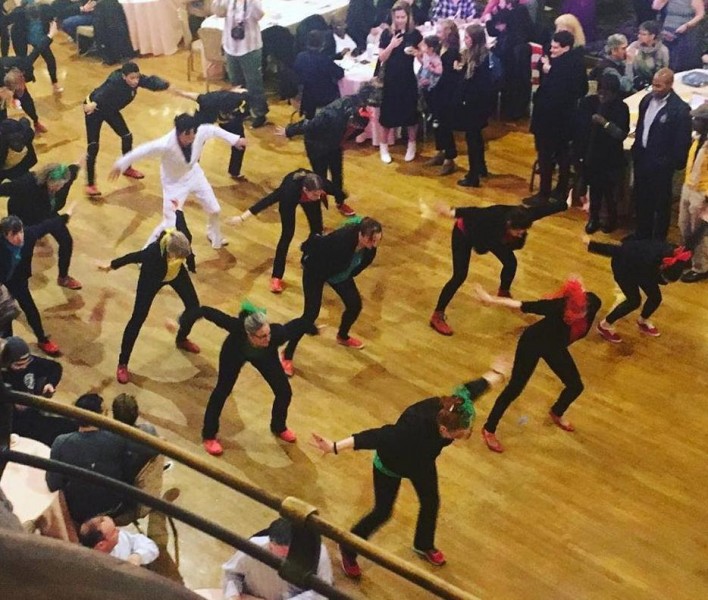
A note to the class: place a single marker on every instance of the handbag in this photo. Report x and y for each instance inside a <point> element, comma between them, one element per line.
<point>238,31</point>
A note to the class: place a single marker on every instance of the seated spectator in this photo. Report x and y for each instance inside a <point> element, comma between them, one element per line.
<point>125,410</point>
<point>93,449</point>
<point>319,75</point>
<point>197,11</point>
<point>24,372</point>
<point>77,15</point>
<point>244,576</point>
<point>463,10</point>
<point>101,534</point>
<point>343,44</point>
<point>647,55</point>
<point>615,63</point>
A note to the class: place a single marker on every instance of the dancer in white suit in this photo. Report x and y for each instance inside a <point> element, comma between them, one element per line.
<point>181,175</point>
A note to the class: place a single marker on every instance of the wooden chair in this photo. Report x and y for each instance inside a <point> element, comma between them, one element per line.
<point>208,48</point>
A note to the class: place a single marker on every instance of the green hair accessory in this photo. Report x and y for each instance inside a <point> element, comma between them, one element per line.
<point>248,307</point>
<point>58,172</point>
<point>356,220</point>
<point>467,406</point>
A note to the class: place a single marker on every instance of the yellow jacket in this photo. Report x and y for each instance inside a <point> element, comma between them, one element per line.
<point>697,168</point>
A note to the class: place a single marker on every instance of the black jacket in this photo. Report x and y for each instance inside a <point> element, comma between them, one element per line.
<point>601,147</point>
<point>552,332</point>
<point>669,136</point>
<point>115,94</point>
<point>289,192</point>
<point>325,256</point>
<point>474,98</point>
<point>221,107</point>
<point>319,77</point>
<point>485,228</point>
<point>111,34</point>
<point>636,260</point>
<point>325,132</point>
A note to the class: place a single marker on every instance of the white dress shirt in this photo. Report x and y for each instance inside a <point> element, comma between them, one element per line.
<point>135,543</point>
<point>655,105</point>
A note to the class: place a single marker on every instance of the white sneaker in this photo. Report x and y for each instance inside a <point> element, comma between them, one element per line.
<point>410,153</point>
<point>218,244</point>
<point>385,156</point>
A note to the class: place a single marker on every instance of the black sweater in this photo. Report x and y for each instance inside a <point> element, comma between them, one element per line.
<point>325,256</point>
<point>552,332</point>
<point>115,94</point>
<point>221,106</point>
<point>485,228</point>
<point>636,260</point>
<point>289,192</point>
<point>408,447</point>
<point>602,147</point>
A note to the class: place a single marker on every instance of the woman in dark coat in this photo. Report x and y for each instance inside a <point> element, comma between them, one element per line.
<point>474,101</point>
<point>408,450</point>
<point>399,106</point>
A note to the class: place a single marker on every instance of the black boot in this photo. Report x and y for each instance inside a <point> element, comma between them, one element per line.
<point>469,181</point>
<point>592,226</point>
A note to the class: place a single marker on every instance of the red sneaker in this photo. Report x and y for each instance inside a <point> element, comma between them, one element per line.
<point>49,347</point>
<point>91,191</point>
<point>287,435</point>
<point>350,566</point>
<point>276,285</point>
<point>351,342</point>
<point>213,447</point>
<point>122,374</point>
<point>345,210</point>
<point>39,128</point>
<point>437,322</point>
<point>287,366</point>
<point>648,329</point>
<point>188,346</point>
<point>433,556</point>
<point>561,422</point>
<point>608,334</point>
<point>133,173</point>
<point>69,282</point>
<point>492,442</point>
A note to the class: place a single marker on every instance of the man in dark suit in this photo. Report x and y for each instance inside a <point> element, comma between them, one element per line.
<point>661,143</point>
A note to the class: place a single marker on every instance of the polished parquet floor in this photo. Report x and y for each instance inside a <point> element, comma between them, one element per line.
<point>615,510</point>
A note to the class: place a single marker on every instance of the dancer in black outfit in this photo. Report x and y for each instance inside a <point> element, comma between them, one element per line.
<point>105,104</point>
<point>251,339</point>
<point>162,263</point>
<point>17,153</point>
<point>496,229</point>
<point>16,250</point>
<point>640,265</point>
<point>37,197</point>
<point>568,315</point>
<point>336,258</point>
<point>408,450</point>
<point>298,188</point>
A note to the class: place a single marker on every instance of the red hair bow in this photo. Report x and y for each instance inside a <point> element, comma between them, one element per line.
<point>680,255</point>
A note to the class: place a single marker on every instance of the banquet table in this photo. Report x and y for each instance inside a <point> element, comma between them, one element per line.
<point>35,506</point>
<point>154,25</point>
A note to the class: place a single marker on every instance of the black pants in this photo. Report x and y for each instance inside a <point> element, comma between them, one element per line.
<point>28,104</point>
<point>604,188</point>
<point>630,288</point>
<point>475,153</point>
<point>19,289</point>
<point>145,294</point>
<point>528,353</point>
<point>313,212</point>
<point>461,255</point>
<point>652,200</point>
<point>552,150</point>
<point>230,363</point>
<point>445,139</point>
<point>94,121</point>
<point>46,54</point>
<point>65,246</point>
<point>329,166</point>
<point>516,85</point>
<point>237,154</point>
<point>386,489</point>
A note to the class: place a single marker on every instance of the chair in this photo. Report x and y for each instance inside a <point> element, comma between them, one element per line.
<point>208,47</point>
<point>85,32</point>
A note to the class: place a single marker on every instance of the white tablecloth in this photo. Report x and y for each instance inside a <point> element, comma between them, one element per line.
<point>154,25</point>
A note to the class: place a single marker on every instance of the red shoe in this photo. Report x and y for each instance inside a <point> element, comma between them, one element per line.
<point>433,556</point>
<point>91,191</point>
<point>437,322</point>
<point>608,334</point>
<point>276,285</point>
<point>122,374</point>
<point>504,293</point>
<point>213,447</point>
<point>39,128</point>
<point>69,282</point>
<point>350,566</point>
<point>345,210</point>
<point>561,422</point>
<point>188,346</point>
<point>287,366</point>
<point>287,435</point>
<point>49,347</point>
<point>492,442</point>
<point>648,329</point>
<point>351,342</point>
<point>133,173</point>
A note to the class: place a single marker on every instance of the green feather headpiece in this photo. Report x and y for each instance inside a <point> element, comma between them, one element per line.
<point>248,307</point>
<point>467,407</point>
<point>58,172</point>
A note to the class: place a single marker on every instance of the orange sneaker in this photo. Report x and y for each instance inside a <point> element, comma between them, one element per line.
<point>49,347</point>
<point>437,322</point>
<point>433,556</point>
<point>91,191</point>
<point>350,566</point>
<point>492,442</point>
<point>69,282</point>
<point>213,447</point>
<point>561,422</point>
<point>345,210</point>
<point>188,346</point>
<point>287,366</point>
<point>276,285</point>
<point>122,374</point>
<point>350,342</point>
<point>133,173</point>
<point>287,435</point>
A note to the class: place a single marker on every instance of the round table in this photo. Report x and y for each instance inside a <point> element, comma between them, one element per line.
<point>154,25</point>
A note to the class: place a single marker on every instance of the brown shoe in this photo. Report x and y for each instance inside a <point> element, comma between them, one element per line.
<point>448,167</point>
<point>436,161</point>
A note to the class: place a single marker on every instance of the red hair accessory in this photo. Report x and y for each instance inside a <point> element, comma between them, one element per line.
<point>576,305</point>
<point>680,255</point>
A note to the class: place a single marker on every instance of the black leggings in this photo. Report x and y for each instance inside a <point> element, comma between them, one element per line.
<point>28,104</point>
<point>386,489</point>
<point>66,247</point>
<point>94,121</point>
<point>46,54</point>
<point>237,154</point>
<point>19,289</point>
<point>461,255</point>
<point>528,353</point>
<point>475,153</point>
<point>630,288</point>
<point>230,363</point>
<point>330,166</point>
<point>313,212</point>
<point>145,294</point>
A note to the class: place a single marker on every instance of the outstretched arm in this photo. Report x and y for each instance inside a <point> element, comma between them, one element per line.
<point>146,150</point>
<point>486,298</point>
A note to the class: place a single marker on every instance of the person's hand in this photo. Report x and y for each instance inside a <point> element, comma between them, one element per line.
<point>48,390</point>
<point>411,50</point>
<point>396,41</point>
<point>585,239</point>
<point>545,64</point>
<point>235,221</point>
<point>484,296</point>
<point>322,444</point>
<point>88,7</point>
<point>114,173</point>
<point>500,27</point>
<point>443,209</point>
<point>71,209</point>
<point>171,325</point>
<point>682,29</point>
<point>104,266</point>
<point>457,65</point>
<point>280,131</point>
<point>53,28</point>
<point>599,119</point>
<point>240,143</point>
<point>89,107</point>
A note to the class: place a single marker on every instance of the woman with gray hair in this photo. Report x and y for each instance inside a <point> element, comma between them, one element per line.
<point>251,339</point>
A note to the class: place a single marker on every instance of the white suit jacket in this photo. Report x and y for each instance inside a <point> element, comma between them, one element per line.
<point>174,169</point>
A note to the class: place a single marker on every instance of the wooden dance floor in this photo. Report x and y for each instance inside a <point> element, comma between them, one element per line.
<point>614,510</point>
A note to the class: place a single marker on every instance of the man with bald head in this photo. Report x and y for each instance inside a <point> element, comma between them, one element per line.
<point>660,148</point>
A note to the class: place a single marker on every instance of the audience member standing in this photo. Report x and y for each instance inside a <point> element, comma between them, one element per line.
<point>681,32</point>
<point>243,44</point>
<point>660,148</point>
<point>319,75</point>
